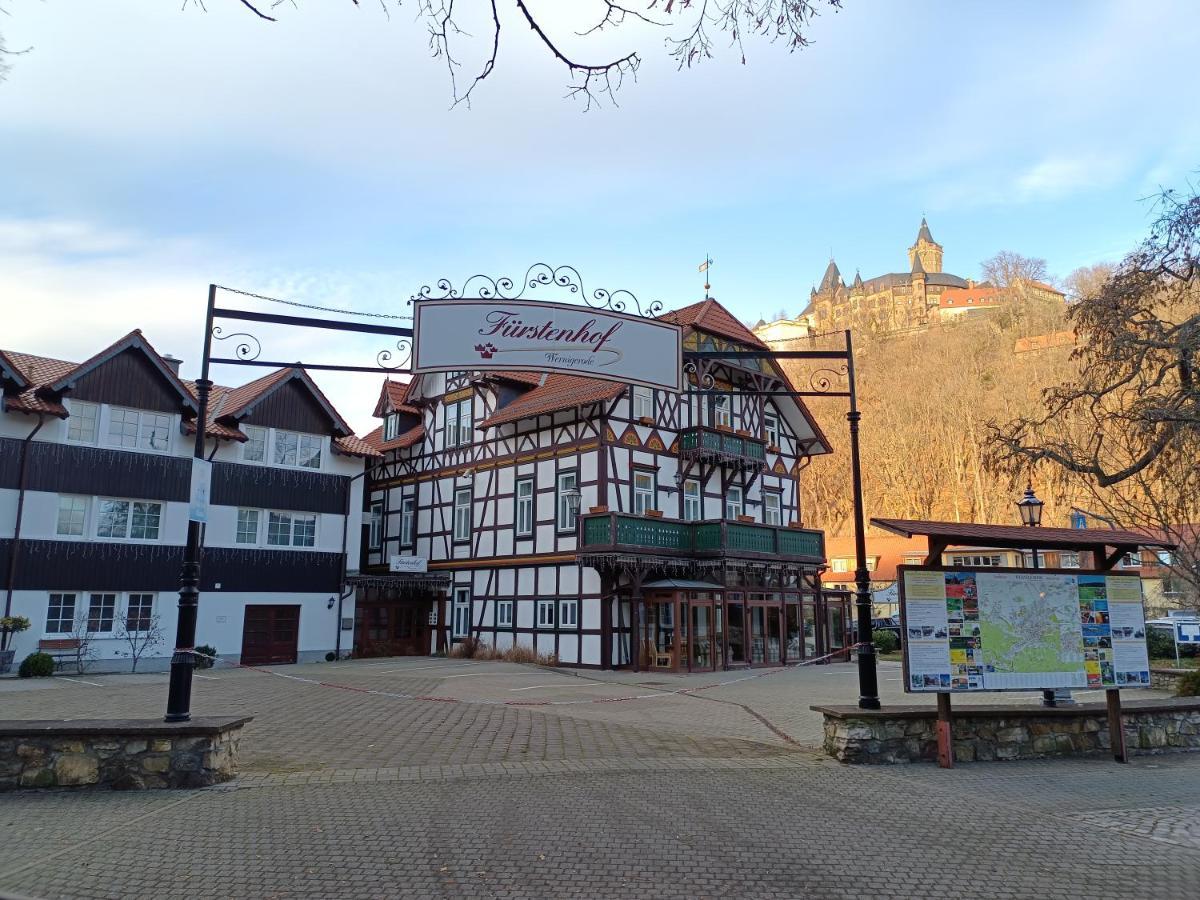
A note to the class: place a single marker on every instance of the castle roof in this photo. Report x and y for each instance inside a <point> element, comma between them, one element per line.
<point>858,282</point>
<point>831,279</point>
<point>917,267</point>
<point>924,234</point>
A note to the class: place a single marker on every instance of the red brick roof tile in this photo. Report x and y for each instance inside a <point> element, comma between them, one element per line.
<point>711,316</point>
<point>556,393</point>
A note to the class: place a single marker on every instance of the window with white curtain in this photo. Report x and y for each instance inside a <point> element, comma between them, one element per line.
<point>693,504</point>
<point>524,511</point>
<point>733,502</point>
<point>643,492</point>
<point>462,514</point>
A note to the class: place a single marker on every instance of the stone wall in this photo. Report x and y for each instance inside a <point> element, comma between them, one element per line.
<point>984,733</point>
<point>118,754</point>
<point>1166,679</point>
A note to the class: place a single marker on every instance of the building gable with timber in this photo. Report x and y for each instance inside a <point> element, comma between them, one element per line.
<point>686,553</point>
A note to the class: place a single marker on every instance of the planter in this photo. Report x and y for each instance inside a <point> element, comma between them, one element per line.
<point>654,513</point>
<point>597,509</point>
<point>743,432</point>
<point>6,660</point>
<point>725,429</point>
<point>745,518</point>
<point>772,448</point>
<point>645,420</point>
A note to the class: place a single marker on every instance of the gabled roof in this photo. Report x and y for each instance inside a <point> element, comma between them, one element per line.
<point>9,370</point>
<point>556,393</point>
<point>37,372</point>
<point>355,446</point>
<point>375,441</point>
<point>711,316</point>
<point>237,403</point>
<point>133,340</point>
<point>394,397</point>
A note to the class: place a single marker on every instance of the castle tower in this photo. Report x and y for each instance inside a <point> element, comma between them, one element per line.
<point>926,249</point>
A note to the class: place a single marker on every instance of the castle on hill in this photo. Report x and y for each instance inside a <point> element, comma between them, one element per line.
<point>897,302</point>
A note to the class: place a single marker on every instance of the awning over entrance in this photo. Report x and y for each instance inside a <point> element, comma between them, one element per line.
<point>405,581</point>
<point>970,534</point>
<point>682,584</point>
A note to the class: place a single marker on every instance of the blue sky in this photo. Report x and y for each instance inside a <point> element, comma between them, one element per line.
<point>146,151</point>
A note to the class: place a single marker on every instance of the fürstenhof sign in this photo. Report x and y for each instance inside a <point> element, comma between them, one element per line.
<point>526,335</point>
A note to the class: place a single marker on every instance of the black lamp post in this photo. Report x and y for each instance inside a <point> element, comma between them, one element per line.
<point>1030,508</point>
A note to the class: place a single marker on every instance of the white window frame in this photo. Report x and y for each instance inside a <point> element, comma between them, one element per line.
<point>460,427</point>
<point>734,508</point>
<point>462,515</point>
<point>693,501</point>
<point>145,422</point>
<point>66,625</point>
<point>565,518</point>
<point>568,613</point>
<point>257,515</point>
<point>504,613</point>
<point>643,402</point>
<point>257,438</point>
<point>78,510</point>
<point>839,564</point>
<point>294,519</point>
<point>523,506</point>
<point>146,619</point>
<point>1068,560</point>
<point>77,419</point>
<point>375,527</point>
<point>545,613</point>
<point>130,508</point>
<point>302,438</point>
<point>1132,560</point>
<point>391,426</point>
<point>722,411</point>
<point>110,607</point>
<point>772,508</point>
<point>460,620</point>
<point>645,492</point>
<point>407,517</point>
<point>771,427</point>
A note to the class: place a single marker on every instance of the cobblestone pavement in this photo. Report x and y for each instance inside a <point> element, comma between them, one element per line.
<point>710,795</point>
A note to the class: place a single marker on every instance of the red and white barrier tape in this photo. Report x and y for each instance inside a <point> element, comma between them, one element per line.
<point>396,695</point>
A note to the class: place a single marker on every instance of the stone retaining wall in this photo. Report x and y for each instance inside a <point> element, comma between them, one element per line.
<point>1166,679</point>
<point>120,754</point>
<point>984,733</point>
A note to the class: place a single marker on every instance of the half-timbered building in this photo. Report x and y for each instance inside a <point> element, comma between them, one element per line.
<point>604,524</point>
<point>95,470</point>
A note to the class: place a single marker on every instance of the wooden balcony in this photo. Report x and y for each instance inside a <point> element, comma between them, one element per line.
<point>626,533</point>
<point>715,445</point>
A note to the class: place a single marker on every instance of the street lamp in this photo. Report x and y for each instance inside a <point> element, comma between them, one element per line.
<point>1030,508</point>
<point>572,496</point>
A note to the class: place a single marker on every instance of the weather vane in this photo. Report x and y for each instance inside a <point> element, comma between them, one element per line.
<point>704,268</point>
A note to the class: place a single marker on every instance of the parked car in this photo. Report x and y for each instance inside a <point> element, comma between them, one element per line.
<point>890,623</point>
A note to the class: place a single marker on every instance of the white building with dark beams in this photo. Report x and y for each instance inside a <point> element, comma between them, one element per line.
<point>605,524</point>
<point>95,462</point>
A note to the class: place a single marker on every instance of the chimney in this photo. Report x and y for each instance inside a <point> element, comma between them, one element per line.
<point>172,363</point>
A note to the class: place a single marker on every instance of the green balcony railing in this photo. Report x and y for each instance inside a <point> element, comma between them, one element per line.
<point>700,439</point>
<point>622,531</point>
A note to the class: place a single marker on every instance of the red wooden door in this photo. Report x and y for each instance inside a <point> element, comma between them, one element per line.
<point>270,635</point>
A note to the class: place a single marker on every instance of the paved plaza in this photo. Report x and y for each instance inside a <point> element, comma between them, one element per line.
<point>434,777</point>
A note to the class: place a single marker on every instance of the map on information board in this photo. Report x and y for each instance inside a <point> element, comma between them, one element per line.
<point>1021,630</point>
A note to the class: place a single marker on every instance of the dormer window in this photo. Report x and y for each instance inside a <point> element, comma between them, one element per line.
<point>83,421</point>
<point>140,429</point>
<point>391,426</point>
<point>299,450</point>
<point>255,448</point>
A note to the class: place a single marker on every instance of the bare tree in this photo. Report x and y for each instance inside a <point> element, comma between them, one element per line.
<point>690,29</point>
<point>1128,426</point>
<point>1008,270</point>
<point>140,636</point>
<point>82,651</point>
<point>1086,281</point>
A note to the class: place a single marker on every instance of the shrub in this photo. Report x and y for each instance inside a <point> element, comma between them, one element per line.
<point>885,641</point>
<point>1160,644</point>
<point>330,656</point>
<point>1189,685</point>
<point>208,659</point>
<point>37,665</point>
<point>465,649</point>
<point>520,653</point>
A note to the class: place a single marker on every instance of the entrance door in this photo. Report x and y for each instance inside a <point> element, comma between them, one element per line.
<point>703,656</point>
<point>270,635</point>
<point>399,628</point>
<point>735,631</point>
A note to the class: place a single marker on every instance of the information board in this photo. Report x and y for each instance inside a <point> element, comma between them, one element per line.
<point>1021,630</point>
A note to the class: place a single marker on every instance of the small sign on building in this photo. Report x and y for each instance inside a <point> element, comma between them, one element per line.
<point>409,564</point>
<point>200,491</point>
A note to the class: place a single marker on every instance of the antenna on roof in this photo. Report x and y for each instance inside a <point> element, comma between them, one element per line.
<point>704,268</point>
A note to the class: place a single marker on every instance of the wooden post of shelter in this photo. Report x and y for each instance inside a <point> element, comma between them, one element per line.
<point>945,732</point>
<point>1116,727</point>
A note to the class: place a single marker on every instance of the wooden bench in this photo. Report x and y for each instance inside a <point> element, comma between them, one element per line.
<point>63,650</point>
